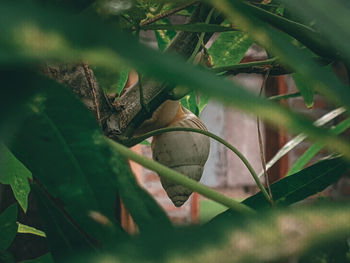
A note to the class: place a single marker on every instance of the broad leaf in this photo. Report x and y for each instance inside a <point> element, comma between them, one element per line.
<point>229,48</point>
<point>8,226</point>
<point>14,173</point>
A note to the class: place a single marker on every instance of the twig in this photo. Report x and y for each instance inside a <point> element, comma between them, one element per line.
<point>166,14</point>
<point>261,145</point>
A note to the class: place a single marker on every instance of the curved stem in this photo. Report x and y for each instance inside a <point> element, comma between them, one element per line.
<point>211,135</point>
<point>269,61</point>
<point>180,179</point>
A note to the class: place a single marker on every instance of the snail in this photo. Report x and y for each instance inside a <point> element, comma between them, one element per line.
<point>185,152</point>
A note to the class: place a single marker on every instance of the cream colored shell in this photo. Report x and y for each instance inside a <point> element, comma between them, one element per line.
<point>185,152</point>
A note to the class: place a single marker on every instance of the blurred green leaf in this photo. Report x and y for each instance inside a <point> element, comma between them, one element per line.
<point>8,226</point>
<point>278,235</point>
<point>60,36</point>
<point>47,258</point>
<point>64,237</point>
<point>332,21</point>
<point>24,229</point>
<point>306,91</point>
<point>14,173</point>
<point>229,48</point>
<point>190,103</point>
<point>64,148</point>
<point>315,148</point>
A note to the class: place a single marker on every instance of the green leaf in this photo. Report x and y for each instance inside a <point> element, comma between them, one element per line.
<point>315,148</point>
<point>123,78</point>
<point>164,36</point>
<point>190,103</point>
<point>65,239</point>
<point>8,226</point>
<point>229,48</point>
<point>24,229</point>
<point>64,148</point>
<point>306,91</point>
<point>47,258</point>
<point>298,186</point>
<point>14,173</point>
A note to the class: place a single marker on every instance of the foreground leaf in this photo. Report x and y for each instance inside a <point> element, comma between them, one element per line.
<point>65,239</point>
<point>271,236</point>
<point>60,37</point>
<point>64,148</point>
<point>298,186</point>
<point>8,226</point>
<point>14,173</point>
<point>47,258</point>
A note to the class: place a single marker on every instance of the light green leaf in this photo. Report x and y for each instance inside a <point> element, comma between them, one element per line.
<point>14,173</point>
<point>164,36</point>
<point>123,78</point>
<point>229,48</point>
<point>24,229</point>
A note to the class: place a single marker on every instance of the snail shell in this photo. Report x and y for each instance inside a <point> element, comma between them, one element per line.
<point>185,152</point>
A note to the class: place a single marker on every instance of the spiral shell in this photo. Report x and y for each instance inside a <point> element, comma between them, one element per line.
<point>185,152</point>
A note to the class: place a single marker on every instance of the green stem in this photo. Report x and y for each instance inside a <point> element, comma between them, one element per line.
<point>215,137</point>
<point>284,96</point>
<point>195,27</point>
<point>201,37</point>
<point>178,178</point>
<point>269,61</point>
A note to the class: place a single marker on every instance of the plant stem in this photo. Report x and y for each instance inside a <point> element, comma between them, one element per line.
<point>211,135</point>
<point>284,96</point>
<point>201,37</point>
<point>166,14</point>
<point>178,178</point>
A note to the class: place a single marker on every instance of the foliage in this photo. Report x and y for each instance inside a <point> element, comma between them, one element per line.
<point>51,142</point>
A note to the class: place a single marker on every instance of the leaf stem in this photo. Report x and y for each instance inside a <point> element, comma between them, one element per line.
<point>179,178</point>
<point>139,139</point>
<point>166,14</point>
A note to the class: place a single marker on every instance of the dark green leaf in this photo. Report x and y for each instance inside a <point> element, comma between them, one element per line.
<point>14,173</point>
<point>47,258</point>
<point>63,146</point>
<point>64,237</point>
<point>8,226</point>
<point>229,48</point>
<point>300,185</point>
